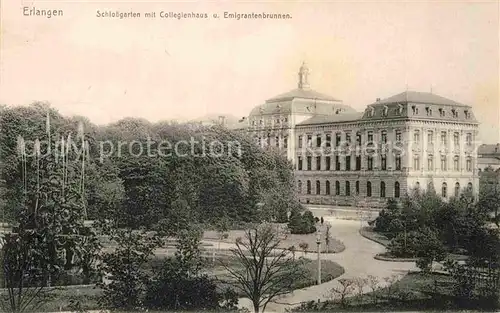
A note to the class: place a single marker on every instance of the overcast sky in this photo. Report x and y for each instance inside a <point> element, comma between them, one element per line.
<point>107,68</point>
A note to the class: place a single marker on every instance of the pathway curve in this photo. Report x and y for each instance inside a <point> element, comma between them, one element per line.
<point>357,260</point>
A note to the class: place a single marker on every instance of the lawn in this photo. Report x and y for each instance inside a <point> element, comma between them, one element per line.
<point>414,292</point>
<point>335,246</point>
<point>88,295</point>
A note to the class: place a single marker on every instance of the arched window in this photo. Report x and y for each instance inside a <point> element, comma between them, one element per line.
<point>308,187</point>
<point>318,187</point>
<point>337,188</point>
<point>368,189</point>
<point>357,187</point>
<point>469,187</point>
<point>328,187</point>
<point>382,189</point>
<point>299,186</point>
<point>457,189</point>
<point>444,190</point>
<point>396,190</point>
<point>347,188</point>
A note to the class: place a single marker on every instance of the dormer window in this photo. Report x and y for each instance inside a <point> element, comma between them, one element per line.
<point>415,110</point>
<point>454,113</point>
<point>261,122</point>
<point>428,111</point>
<point>384,112</point>
<point>400,109</point>
<point>467,114</point>
<point>442,113</point>
<point>371,112</point>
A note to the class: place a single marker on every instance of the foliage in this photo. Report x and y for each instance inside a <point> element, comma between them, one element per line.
<point>302,223</point>
<point>125,269</point>
<point>180,285</point>
<point>266,274</point>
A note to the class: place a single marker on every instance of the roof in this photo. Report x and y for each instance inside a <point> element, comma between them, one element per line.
<point>337,118</point>
<point>488,160</point>
<point>303,93</point>
<point>419,97</point>
<point>489,149</point>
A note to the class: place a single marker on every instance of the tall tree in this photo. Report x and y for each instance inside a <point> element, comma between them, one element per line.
<point>268,271</point>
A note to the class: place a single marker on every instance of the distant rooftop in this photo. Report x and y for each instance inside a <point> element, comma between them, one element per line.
<point>418,97</point>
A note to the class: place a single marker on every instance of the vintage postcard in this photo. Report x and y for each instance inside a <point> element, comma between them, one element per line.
<point>249,156</point>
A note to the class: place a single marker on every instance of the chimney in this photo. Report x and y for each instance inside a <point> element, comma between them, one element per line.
<point>222,120</point>
<point>378,99</point>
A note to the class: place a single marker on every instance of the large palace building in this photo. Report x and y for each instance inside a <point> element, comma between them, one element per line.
<point>344,157</point>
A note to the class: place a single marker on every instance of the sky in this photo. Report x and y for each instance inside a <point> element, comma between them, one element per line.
<point>160,68</point>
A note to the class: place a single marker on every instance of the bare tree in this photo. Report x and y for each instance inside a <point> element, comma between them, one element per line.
<point>343,291</point>
<point>328,236</point>
<point>304,246</point>
<point>268,271</point>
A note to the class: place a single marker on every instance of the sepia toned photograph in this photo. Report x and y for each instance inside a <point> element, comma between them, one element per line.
<point>249,156</point>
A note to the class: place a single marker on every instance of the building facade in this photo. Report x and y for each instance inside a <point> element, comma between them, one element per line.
<point>349,158</point>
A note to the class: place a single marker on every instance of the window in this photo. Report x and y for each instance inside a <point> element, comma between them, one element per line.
<point>430,163</point>
<point>259,141</point>
<point>328,161</point>
<point>285,142</point>
<point>261,122</point>
<point>337,188</point>
<point>348,137</point>
<point>416,137</point>
<point>358,163</point>
<point>455,163</point>
<point>308,187</point>
<point>467,114</point>
<point>300,141</point>
<point>337,163</point>
<point>318,140</point>
<point>469,187</point>
<point>269,139</point>
<point>430,137</point>
<point>385,111</point>
<point>337,139</point>
<point>442,113</point>
<point>370,163</point>
<point>277,141</point>
<point>318,163</point>
<point>443,163</point>
<point>414,110</point>
<point>370,137</point>
<point>348,163</point>
<point>327,187</point>
<point>309,163</point>
<point>309,140</point>
<point>382,190</point>
<point>454,112</point>
<point>383,136</point>
<point>443,138</point>
<point>398,135</point>
<point>417,186</point>
<point>468,164</point>
<point>347,188</point>
<point>285,120</point>
<point>457,189</point>
<point>468,139</point>
<point>368,189</point>
<point>299,186</point>
<point>299,164</point>
<point>456,140</point>
<point>383,163</point>
<point>398,162</point>
<point>328,140</point>
<point>357,187</point>
<point>444,191</point>
<point>396,190</point>
<point>318,187</point>
<point>416,163</point>
<point>428,111</point>
<point>358,138</point>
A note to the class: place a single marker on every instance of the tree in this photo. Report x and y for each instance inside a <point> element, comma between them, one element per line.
<point>222,230</point>
<point>268,271</point>
<point>328,237</point>
<point>302,224</point>
<point>429,249</point>
<point>304,246</point>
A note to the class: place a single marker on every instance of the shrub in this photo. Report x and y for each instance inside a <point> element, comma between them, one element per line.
<point>302,224</point>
